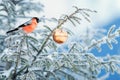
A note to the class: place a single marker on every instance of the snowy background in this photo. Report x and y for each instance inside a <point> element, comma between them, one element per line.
<point>106,16</point>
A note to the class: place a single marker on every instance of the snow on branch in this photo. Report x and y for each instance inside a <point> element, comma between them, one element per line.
<point>85,65</point>
<point>109,39</point>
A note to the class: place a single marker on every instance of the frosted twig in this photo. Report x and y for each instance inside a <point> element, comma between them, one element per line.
<point>104,40</point>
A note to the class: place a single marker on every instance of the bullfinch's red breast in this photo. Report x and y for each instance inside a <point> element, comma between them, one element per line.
<point>28,26</point>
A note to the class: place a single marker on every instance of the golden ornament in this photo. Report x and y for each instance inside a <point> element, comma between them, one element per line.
<point>60,36</point>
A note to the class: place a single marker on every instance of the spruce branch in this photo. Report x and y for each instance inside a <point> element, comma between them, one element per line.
<point>17,59</point>
<point>58,26</point>
<point>107,39</point>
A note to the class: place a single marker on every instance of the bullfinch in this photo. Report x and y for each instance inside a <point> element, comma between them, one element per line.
<point>28,26</point>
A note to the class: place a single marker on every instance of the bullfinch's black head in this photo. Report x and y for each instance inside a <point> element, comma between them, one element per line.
<point>37,19</point>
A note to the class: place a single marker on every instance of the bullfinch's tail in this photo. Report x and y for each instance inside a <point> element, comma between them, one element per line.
<point>12,30</point>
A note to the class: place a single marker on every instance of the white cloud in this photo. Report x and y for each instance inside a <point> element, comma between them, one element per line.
<point>107,9</point>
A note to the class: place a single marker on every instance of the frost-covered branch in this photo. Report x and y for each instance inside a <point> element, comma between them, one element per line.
<point>105,40</point>
<point>60,23</point>
<point>14,75</point>
<point>77,63</point>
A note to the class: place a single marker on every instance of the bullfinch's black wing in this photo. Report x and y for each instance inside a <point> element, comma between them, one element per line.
<point>26,23</point>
